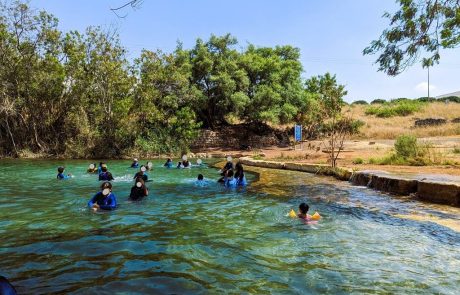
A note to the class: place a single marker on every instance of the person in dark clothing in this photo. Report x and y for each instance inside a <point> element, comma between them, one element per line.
<point>135,163</point>
<point>105,175</point>
<point>228,167</point>
<point>239,174</point>
<point>105,199</point>
<point>139,190</point>
<point>142,174</point>
<point>169,163</point>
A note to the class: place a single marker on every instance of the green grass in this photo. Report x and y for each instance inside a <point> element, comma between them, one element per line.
<point>358,161</point>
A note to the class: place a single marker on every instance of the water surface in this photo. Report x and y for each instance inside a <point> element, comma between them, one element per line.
<point>210,240</point>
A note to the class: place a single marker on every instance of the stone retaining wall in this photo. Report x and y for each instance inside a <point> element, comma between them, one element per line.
<point>433,191</point>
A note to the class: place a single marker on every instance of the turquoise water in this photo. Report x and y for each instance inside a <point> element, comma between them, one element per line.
<point>210,240</point>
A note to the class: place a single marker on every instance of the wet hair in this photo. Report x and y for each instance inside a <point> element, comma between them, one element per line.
<point>106,184</point>
<point>303,208</point>
<point>104,168</point>
<point>61,169</point>
<point>230,173</point>
<point>139,179</point>
<point>100,163</point>
<point>200,177</point>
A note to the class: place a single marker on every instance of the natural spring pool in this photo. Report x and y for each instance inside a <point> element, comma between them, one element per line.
<point>184,239</point>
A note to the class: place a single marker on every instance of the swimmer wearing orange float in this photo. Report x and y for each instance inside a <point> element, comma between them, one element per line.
<point>303,208</point>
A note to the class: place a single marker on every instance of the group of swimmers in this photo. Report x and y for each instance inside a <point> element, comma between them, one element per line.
<point>105,199</point>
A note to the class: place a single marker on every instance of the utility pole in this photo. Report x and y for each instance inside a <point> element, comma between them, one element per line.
<point>428,82</point>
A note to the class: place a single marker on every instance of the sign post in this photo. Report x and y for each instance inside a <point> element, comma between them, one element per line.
<point>298,135</point>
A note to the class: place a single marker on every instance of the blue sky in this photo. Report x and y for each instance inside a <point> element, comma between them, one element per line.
<point>331,35</point>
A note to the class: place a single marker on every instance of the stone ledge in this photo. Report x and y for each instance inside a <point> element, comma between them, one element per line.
<point>441,192</point>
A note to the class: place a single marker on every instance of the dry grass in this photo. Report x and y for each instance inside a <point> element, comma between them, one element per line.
<point>390,128</point>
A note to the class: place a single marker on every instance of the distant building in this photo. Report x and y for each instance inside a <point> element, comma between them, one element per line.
<point>449,94</point>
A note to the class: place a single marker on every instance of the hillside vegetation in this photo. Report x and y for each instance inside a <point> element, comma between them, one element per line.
<point>376,127</point>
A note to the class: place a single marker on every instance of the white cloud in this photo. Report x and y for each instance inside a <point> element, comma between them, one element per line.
<point>423,87</point>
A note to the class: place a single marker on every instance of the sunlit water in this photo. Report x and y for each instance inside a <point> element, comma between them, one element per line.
<point>199,240</point>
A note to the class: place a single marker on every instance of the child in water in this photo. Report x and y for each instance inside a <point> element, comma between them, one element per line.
<point>239,175</point>
<point>139,190</point>
<point>103,200</point>
<point>61,174</point>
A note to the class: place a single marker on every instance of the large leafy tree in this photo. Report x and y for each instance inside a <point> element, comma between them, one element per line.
<point>221,81</point>
<point>417,31</point>
<point>275,92</point>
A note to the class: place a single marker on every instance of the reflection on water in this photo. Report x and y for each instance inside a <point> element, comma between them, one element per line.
<point>189,239</point>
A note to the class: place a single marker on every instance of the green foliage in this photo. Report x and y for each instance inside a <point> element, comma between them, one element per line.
<point>76,94</point>
<point>426,99</point>
<point>358,161</point>
<point>378,101</point>
<point>406,146</point>
<point>359,102</point>
<point>395,108</point>
<point>450,98</point>
<point>417,27</point>
<point>456,150</point>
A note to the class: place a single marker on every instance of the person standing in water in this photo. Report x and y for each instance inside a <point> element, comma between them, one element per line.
<point>169,163</point>
<point>139,190</point>
<point>239,174</point>
<point>142,174</point>
<point>135,163</point>
<point>105,175</point>
<point>103,200</point>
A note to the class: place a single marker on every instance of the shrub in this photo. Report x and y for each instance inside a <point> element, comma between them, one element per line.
<point>450,98</point>
<point>392,109</point>
<point>358,161</point>
<point>406,146</point>
<point>426,99</point>
<point>456,150</point>
<point>378,101</point>
<point>360,102</point>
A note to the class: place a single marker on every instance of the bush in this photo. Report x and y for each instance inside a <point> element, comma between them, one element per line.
<point>360,102</point>
<point>358,161</point>
<point>426,99</point>
<point>450,98</point>
<point>406,146</point>
<point>378,101</point>
<point>456,150</point>
<point>392,109</point>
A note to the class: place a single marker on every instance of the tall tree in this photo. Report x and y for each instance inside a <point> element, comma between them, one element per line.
<point>419,27</point>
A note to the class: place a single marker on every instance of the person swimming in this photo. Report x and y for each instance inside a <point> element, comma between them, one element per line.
<point>61,174</point>
<point>135,163</point>
<point>149,166</point>
<point>105,175</point>
<point>103,200</point>
<point>303,211</point>
<point>169,163</point>
<point>139,190</point>
<point>142,174</point>
<point>239,175</point>
<point>200,180</point>
<point>179,165</point>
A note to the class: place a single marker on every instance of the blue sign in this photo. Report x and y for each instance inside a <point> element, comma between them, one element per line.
<point>298,132</point>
